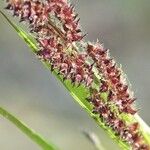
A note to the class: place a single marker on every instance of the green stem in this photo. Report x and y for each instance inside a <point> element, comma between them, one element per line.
<point>26,130</point>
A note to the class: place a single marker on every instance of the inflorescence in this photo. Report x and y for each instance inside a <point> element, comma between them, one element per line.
<point>60,40</point>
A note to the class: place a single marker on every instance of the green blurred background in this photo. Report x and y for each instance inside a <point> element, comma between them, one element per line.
<point>30,92</point>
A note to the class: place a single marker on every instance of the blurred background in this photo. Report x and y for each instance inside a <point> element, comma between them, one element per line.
<point>29,91</point>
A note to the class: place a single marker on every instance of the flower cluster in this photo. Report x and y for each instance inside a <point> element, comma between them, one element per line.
<point>113,80</point>
<point>38,14</point>
<point>113,83</point>
<point>56,28</point>
<point>128,133</point>
<point>71,67</point>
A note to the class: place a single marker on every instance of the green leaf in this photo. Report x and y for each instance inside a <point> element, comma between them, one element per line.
<point>28,131</point>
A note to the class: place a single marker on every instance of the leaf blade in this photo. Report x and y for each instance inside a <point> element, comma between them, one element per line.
<point>28,131</point>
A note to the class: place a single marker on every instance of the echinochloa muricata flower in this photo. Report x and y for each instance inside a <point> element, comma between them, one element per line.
<point>56,28</point>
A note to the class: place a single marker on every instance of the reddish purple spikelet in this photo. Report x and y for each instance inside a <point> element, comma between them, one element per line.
<point>104,87</point>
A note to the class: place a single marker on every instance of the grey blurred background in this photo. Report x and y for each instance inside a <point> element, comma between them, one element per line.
<point>30,92</point>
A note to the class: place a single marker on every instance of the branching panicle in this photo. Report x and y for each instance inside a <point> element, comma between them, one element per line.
<point>59,38</point>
